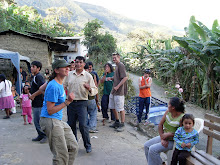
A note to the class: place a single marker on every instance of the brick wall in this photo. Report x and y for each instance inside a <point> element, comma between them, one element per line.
<point>35,49</point>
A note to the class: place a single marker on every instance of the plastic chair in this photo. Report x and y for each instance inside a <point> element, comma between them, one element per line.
<point>198,126</point>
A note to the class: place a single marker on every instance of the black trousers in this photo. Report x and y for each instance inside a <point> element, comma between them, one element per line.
<point>104,105</point>
<point>77,110</point>
<point>180,156</point>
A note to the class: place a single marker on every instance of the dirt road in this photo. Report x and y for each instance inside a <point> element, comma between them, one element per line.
<point>109,147</point>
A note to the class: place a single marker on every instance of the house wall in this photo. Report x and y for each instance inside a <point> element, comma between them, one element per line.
<point>69,56</point>
<point>35,49</point>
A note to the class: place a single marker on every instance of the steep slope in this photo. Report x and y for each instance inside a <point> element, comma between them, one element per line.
<point>83,12</point>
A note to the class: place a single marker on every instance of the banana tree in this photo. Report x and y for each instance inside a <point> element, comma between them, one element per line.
<point>203,47</point>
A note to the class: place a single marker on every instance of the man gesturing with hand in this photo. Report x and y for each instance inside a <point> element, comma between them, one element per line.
<point>82,85</point>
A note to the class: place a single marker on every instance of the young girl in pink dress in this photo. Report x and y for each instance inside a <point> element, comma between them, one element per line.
<point>25,103</point>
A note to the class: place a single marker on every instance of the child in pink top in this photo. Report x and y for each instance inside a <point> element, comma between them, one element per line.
<point>26,105</point>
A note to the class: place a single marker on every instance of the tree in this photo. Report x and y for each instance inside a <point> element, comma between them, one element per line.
<point>100,46</point>
<point>26,19</point>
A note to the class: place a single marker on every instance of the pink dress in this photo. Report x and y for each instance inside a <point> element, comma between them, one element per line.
<point>26,106</point>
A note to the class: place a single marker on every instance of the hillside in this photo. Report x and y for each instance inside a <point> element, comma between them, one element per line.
<point>83,12</point>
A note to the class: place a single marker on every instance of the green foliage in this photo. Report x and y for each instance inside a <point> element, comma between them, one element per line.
<point>100,46</point>
<point>195,63</point>
<point>26,19</point>
<point>131,89</point>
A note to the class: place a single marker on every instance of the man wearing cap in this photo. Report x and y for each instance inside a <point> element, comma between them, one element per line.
<point>144,94</point>
<point>82,85</point>
<point>119,90</point>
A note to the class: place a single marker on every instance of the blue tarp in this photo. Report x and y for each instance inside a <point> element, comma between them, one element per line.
<point>15,58</point>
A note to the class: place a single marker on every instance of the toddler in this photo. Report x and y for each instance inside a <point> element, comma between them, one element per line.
<point>185,137</point>
<point>26,105</point>
<point>16,98</point>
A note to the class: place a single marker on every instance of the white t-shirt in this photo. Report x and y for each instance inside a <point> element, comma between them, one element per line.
<point>5,88</point>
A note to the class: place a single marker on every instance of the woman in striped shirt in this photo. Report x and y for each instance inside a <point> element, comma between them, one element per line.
<point>167,127</point>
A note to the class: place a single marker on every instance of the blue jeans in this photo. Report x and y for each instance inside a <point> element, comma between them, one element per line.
<point>37,112</point>
<point>92,115</point>
<point>153,148</point>
<point>104,105</point>
<point>143,102</point>
<point>78,110</point>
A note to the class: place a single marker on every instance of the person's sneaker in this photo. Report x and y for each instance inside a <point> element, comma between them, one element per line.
<point>89,149</point>
<point>122,125</point>
<point>120,128</point>
<point>115,125</point>
<point>44,140</point>
<point>6,117</point>
<point>37,139</point>
<point>93,131</point>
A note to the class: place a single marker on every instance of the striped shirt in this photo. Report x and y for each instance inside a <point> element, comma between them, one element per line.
<point>181,136</point>
<point>171,124</point>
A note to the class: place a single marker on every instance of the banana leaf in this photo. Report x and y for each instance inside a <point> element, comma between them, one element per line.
<point>201,32</point>
<point>191,30</point>
<point>205,88</point>
<point>181,40</point>
<point>195,48</point>
<point>208,32</point>
<point>215,27</point>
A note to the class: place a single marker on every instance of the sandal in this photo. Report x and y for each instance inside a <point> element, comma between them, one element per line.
<point>25,123</point>
<point>103,122</point>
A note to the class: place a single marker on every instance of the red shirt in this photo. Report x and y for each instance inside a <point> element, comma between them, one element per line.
<point>146,91</point>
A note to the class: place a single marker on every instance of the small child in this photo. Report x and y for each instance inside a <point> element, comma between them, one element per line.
<point>16,98</point>
<point>28,84</point>
<point>14,92</point>
<point>185,137</point>
<point>26,105</point>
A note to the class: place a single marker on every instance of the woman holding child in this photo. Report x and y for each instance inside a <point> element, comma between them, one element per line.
<point>167,127</point>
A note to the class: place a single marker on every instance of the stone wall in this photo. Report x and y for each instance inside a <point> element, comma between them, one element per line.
<point>35,49</point>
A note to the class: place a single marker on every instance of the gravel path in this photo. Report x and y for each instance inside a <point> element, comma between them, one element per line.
<point>197,111</point>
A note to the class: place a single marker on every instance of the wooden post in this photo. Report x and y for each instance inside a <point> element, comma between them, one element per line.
<point>209,142</point>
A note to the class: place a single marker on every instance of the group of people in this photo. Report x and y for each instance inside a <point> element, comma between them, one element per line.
<point>81,87</point>
<point>174,126</point>
<point>75,86</point>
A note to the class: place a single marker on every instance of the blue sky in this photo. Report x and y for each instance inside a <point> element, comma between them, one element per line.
<point>171,13</point>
